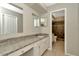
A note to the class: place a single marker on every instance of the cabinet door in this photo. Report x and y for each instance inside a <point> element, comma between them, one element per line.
<point>36,51</point>
<point>36,48</point>
<point>41,46</point>
<point>44,44</point>
<point>47,43</point>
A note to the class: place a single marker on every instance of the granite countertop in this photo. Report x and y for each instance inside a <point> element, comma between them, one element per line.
<point>8,46</point>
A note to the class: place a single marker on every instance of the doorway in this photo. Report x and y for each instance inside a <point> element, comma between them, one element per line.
<point>58,28</point>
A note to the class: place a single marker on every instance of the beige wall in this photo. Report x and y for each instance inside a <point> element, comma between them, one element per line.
<point>72,26</point>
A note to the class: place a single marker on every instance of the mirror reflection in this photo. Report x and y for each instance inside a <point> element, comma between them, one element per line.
<point>10,22</point>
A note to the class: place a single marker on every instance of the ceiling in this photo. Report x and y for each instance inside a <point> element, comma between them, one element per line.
<point>49,4</point>
<point>41,8</point>
<point>46,5</point>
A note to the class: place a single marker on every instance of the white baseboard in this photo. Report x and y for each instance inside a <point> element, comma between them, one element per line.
<point>68,54</point>
<point>49,49</point>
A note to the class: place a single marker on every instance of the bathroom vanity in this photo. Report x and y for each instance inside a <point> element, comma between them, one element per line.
<point>32,45</point>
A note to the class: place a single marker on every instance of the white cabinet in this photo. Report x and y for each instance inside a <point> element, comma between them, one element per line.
<point>44,44</point>
<point>35,49</point>
<point>41,46</point>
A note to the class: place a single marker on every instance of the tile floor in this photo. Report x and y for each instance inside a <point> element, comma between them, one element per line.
<point>58,49</point>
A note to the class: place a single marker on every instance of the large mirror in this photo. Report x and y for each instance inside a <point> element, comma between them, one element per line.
<point>43,21</point>
<point>36,20</point>
<point>39,21</point>
<point>10,22</point>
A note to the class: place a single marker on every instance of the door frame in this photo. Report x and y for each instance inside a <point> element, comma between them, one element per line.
<point>65,25</point>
